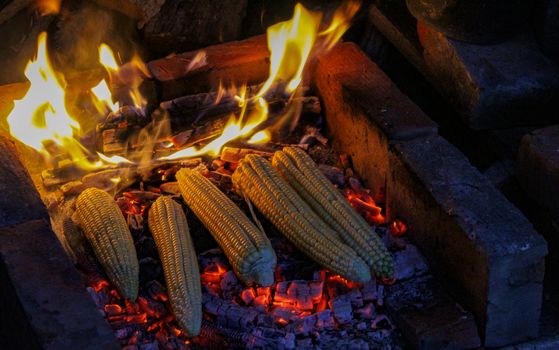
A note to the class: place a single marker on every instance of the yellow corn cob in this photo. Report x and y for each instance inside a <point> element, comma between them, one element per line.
<point>248,249</point>
<point>107,231</point>
<point>256,178</point>
<point>169,228</point>
<point>303,175</point>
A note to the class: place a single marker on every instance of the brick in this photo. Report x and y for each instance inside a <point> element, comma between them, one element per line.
<point>491,86</point>
<point>486,249</point>
<point>365,110</point>
<point>19,201</point>
<point>44,303</point>
<point>538,168</point>
<point>429,318</point>
<point>232,62</point>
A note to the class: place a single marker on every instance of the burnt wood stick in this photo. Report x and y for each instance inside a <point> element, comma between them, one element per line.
<point>229,63</point>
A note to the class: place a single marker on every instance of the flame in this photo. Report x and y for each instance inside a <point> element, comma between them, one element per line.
<point>260,137</point>
<point>41,117</point>
<point>102,98</point>
<point>107,58</point>
<point>340,23</point>
<point>235,128</point>
<point>49,7</point>
<point>114,159</point>
<point>290,45</point>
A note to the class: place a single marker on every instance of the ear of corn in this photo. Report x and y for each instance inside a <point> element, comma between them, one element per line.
<point>107,231</point>
<point>303,175</point>
<point>256,177</point>
<point>169,228</point>
<point>248,249</point>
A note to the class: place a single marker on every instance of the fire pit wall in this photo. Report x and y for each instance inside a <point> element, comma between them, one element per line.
<point>480,244</point>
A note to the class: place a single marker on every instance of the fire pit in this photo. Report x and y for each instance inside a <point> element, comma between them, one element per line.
<point>277,192</point>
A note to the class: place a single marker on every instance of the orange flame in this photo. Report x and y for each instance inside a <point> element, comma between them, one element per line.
<point>290,44</point>
<point>40,119</point>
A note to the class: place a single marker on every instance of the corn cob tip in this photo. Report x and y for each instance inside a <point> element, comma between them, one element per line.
<point>359,271</point>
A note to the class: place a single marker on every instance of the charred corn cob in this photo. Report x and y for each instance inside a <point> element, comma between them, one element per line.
<point>256,177</point>
<point>107,231</point>
<point>303,175</point>
<point>248,249</point>
<point>169,228</point>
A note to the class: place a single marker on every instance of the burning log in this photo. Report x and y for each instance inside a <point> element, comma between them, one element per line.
<point>235,155</point>
<point>192,108</point>
<point>193,72</point>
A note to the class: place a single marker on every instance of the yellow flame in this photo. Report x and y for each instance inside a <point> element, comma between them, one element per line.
<point>48,7</point>
<point>102,98</point>
<point>340,23</point>
<point>262,136</point>
<point>233,130</point>
<point>107,58</point>
<point>41,116</point>
<point>114,159</point>
<point>290,44</point>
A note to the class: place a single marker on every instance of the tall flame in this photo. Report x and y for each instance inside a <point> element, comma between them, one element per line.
<point>291,44</point>
<point>41,116</point>
<point>40,119</point>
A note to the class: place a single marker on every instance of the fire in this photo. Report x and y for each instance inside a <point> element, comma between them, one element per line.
<point>41,120</point>
<point>291,44</point>
<point>235,128</point>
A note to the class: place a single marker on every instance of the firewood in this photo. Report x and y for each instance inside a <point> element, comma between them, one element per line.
<point>138,9</point>
<point>232,62</point>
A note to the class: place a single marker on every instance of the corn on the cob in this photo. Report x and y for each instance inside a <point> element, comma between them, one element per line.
<point>303,175</point>
<point>256,177</point>
<point>248,249</point>
<point>107,231</point>
<point>169,228</point>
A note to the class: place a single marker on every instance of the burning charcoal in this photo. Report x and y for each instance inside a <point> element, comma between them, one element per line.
<point>94,297</point>
<point>234,155</point>
<point>248,295</point>
<point>265,320</point>
<point>130,347</point>
<point>305,343</point>
<point>124,333</point>
<point>150,346</point>
<point>409,263</point>
<point>152,308</point>
<point>113,309</point>
<point>303,325</point>
<point>335,175</point>
<point>355,184</point>
<point>324,319</point>
<point>282,315</point>
<point>382,322</point>
<point>341,308</point>
<point>380,295</point>
<point>228,314</point>
<point>313,134</point>
<point>366,312</point>
<point>356,298</point>
<point>369,290</point>
<point>157,291</point>
<point>170,187</point>
<point>230,286</point>
<point>361,326</point>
